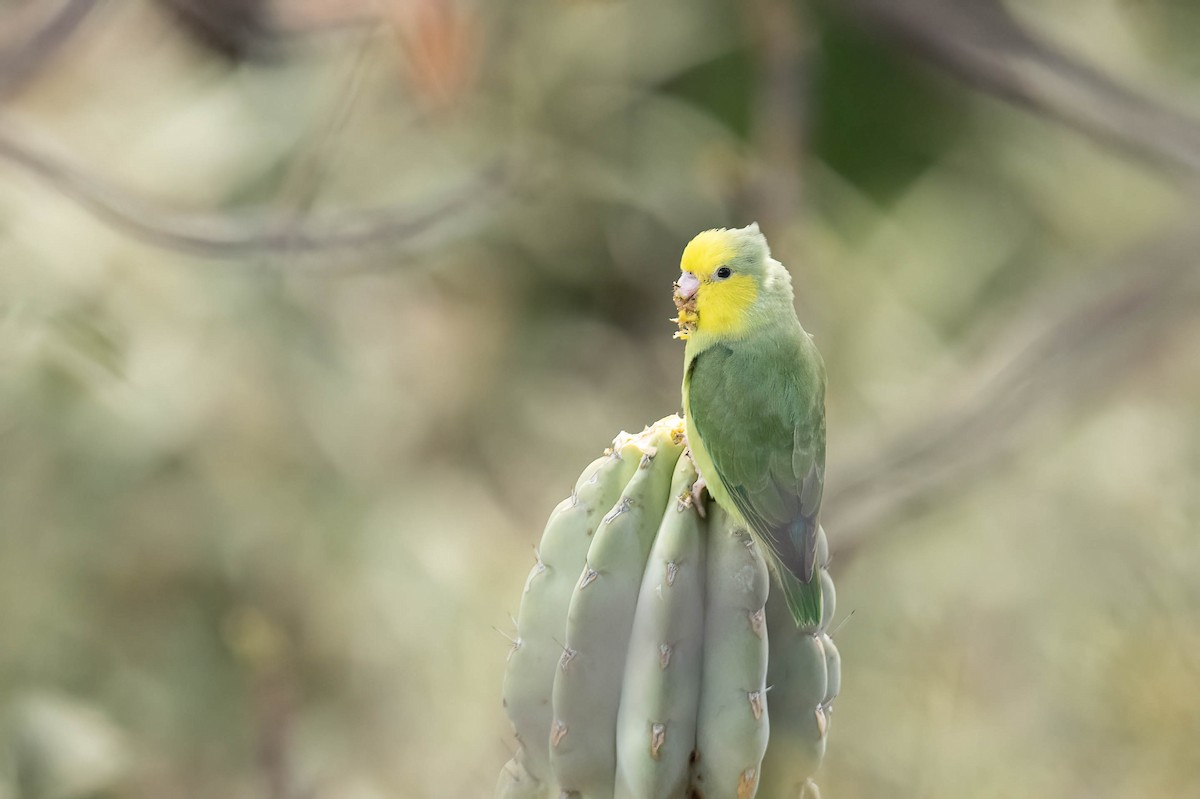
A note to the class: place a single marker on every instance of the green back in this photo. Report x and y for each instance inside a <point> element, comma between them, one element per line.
<point>758,403</point>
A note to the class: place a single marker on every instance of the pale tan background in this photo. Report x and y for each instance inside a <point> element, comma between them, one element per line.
<point>308,319</point>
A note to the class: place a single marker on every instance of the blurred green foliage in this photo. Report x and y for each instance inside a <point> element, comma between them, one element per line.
<point>259,515</point>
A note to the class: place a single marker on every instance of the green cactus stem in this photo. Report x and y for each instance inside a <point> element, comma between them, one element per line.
<point>542,620</point>
<point>660,699</point>
<point>651,659</point>
<point>805,677</point>
<point>731,737</point>
<point>587,685</point>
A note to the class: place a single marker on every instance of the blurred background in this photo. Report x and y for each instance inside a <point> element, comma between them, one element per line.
<point>311,310</point>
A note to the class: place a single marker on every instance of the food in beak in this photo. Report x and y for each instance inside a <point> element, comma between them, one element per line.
<point>685,303</point>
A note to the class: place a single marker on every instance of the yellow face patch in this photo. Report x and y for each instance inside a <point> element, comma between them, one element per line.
<point>720,305</point>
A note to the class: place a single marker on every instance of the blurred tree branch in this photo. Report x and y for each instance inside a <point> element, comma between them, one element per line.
<point>242,232</point>
<point>238,29</point>
<point>26,46</point>
<point>980,42</point>
<point>780,111</point>
<point>263,30</point>
<point>1087,338</point>
<point>1080,345</point>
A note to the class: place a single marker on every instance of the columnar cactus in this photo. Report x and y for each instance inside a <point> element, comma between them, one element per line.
<point>651,659</point>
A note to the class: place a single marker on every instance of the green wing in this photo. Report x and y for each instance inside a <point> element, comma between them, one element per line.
<point>760,409</point>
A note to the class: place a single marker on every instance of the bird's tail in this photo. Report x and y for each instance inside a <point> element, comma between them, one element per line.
<point>803,599</point>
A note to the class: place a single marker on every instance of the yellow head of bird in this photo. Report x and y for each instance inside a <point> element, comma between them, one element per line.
<point>722,273</point>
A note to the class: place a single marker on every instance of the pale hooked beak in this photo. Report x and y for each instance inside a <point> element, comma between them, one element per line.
<point>688,285</point>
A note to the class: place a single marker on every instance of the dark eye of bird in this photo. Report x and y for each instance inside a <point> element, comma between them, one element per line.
<point>724,272</point>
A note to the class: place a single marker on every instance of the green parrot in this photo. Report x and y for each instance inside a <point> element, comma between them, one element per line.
<point>754,402</point>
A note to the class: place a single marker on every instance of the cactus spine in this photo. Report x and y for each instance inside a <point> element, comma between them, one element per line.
<point>648,643</point>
